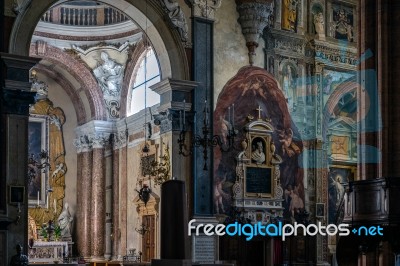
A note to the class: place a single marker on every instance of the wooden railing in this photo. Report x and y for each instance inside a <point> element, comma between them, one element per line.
<point>84,15</point>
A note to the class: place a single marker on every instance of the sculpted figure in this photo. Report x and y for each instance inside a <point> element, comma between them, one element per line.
<point>258,154</point>
<point>319,24</point>
<point>109,75</point>
<point>65,222</point>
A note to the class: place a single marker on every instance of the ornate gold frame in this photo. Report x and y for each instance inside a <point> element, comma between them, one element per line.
<point>58,168</point>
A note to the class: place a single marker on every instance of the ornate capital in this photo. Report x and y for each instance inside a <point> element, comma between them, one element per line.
<point>99,141</point>
<point>83,143</point>
<point>120,139</point>
<point>205,8</point>
<point>254,16</point>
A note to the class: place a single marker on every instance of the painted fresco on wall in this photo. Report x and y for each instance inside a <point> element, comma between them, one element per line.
<point>250,89</point>
<point>342,26</point>
<point>338,176</point>
<point>331,80</point>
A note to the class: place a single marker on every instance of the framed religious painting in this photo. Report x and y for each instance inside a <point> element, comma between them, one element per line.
<point>38,145</point>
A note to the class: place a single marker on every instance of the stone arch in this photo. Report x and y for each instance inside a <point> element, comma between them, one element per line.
<point>69,89</point>
<point>342,89</point>
<point>148,15</point>
<point>80,72</point>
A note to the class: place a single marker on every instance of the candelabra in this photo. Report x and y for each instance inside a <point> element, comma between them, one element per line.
<point>142,229</point>
<point>206,140</point>
<point>34,165</point>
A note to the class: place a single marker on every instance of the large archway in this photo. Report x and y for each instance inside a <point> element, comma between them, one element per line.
<point>149,15</point>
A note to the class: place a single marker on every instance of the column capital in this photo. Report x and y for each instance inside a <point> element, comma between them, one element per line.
<point>93,135</point>
<point>254,16</point>
<point>205,8</point>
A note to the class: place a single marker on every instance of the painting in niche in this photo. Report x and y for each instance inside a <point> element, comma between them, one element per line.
<point>289,85</point>
<point>289,15</point>
<point>250,88</point>
<point>37,142</point>
<point>338,176</point>
<point>342,26</point>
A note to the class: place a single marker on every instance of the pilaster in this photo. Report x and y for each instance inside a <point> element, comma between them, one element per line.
<point>16,96</point>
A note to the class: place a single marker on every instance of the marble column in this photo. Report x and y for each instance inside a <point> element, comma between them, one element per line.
<point>84,192</point>
<point>123,201</point>
<point>98,201</point>
<point>119,141</point>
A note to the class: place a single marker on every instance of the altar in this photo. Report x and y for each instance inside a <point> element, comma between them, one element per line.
<point>49,251</point>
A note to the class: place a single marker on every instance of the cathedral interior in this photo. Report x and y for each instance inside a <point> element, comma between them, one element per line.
<point>262,112</point>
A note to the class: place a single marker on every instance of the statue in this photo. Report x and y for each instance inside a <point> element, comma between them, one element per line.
<point>289,14</point>
<point>319,25</point>
<point>19,259</point>
<point>289,87</point>
<point>258,154</point>
<point>109,75</point>
<point>65,223</point>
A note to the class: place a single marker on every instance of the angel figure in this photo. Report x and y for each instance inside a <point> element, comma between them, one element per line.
<point>225,126</point>
<point>219,194</point>
<point>288,146</point>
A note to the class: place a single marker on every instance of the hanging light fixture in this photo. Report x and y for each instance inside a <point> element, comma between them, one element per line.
<point>206,140</point>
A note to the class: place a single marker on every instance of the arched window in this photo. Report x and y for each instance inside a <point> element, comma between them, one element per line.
<point>147,74</point>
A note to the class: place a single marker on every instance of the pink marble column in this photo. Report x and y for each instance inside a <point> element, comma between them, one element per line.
<point>98,203</point>
<point>115,216</point>
<point>84,192</point>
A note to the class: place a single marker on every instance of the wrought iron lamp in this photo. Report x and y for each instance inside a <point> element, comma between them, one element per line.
<point>142,229</point>
<point>206,140</point>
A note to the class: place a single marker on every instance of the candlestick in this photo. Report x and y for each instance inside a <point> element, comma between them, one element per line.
<point>180,120</point>
<point>229,114</point>
<point>55,206</point>
<point>184,113</point>
<point>38,198</point>
<point>233,115</point>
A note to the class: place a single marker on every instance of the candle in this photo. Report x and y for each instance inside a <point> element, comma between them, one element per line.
<point>233,115</point>
<point>180,120</point>
<point>38,198</point>
<point>184,112</point>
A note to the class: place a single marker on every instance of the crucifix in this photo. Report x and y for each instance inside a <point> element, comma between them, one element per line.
<point>259,112</point>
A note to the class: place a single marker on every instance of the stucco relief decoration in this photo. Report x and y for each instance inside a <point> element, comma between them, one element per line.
<point>254,16</point>
<point>258,98</point>
<point>177,17</point>
<point>342,25</point>
<point>108,65</point>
